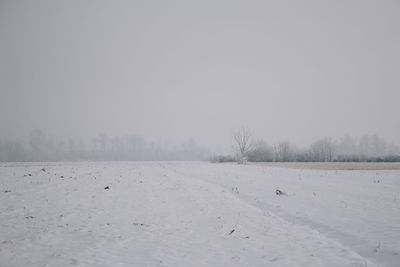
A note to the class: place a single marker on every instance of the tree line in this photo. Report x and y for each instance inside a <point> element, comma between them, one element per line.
<point>370,148</point>
<point>41,147</point>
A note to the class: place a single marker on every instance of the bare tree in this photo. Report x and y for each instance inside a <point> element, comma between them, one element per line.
<point>261,152</point>
<point>37,141</point>
<point>322,150</point>
<point>242,145</point>
<point>103,139</point>
<point>283,152</point>
<point>372,146</point>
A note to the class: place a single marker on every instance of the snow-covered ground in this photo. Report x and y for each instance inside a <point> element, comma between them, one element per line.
<point>196,214</point>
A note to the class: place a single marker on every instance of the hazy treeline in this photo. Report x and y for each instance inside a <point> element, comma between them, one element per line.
<point>347,148</point>
<point>40,147</point>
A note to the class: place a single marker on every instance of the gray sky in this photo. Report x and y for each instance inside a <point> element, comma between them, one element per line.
<point>288,70</point>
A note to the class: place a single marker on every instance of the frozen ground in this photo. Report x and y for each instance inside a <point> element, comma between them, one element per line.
<point>196,214</point>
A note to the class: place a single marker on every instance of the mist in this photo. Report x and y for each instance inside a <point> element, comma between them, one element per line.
<point>176,71</point>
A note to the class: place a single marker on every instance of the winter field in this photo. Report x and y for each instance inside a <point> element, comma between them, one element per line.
<point>197,214</point>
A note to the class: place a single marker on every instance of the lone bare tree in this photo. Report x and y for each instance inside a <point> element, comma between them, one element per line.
<point>242,145</point>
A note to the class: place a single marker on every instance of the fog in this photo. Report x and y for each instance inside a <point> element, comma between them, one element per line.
<point>173,71</point>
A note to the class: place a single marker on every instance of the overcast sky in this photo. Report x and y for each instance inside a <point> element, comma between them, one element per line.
<point>287,70</point>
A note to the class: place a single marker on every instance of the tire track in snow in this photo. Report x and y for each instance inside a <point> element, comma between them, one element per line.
<point>370,251</point>
<point>324,230</point>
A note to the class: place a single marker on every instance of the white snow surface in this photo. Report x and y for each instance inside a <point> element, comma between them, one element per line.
<point>196,214</point>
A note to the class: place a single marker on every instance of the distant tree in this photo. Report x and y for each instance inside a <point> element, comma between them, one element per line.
<point>393,150</point>
<point>103,141</point>
<point>242,145</point>
<point>14,151</point>
<point>221,158</point>
<point>50,148</point>
<point>136,147</point>
<point>115,147</point>
<point>115,144</point>
<point>189,149</point>
<point>283,152</point>
<point>61,150</point>
<point>322,150</point>
<point>372,146</point>
<point>82,149</point>
<point>261,152</point>
<point>71,149</point>
<point>347,146</point>
<point>37,143</point>
<point>2,152</point>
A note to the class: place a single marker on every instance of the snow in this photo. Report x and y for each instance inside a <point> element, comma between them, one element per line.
<point>196,214</point>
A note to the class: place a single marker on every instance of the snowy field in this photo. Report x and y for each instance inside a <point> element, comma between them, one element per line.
<point>196,214</point>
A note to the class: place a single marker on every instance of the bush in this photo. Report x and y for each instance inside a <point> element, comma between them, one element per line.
<point>221,158</point>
